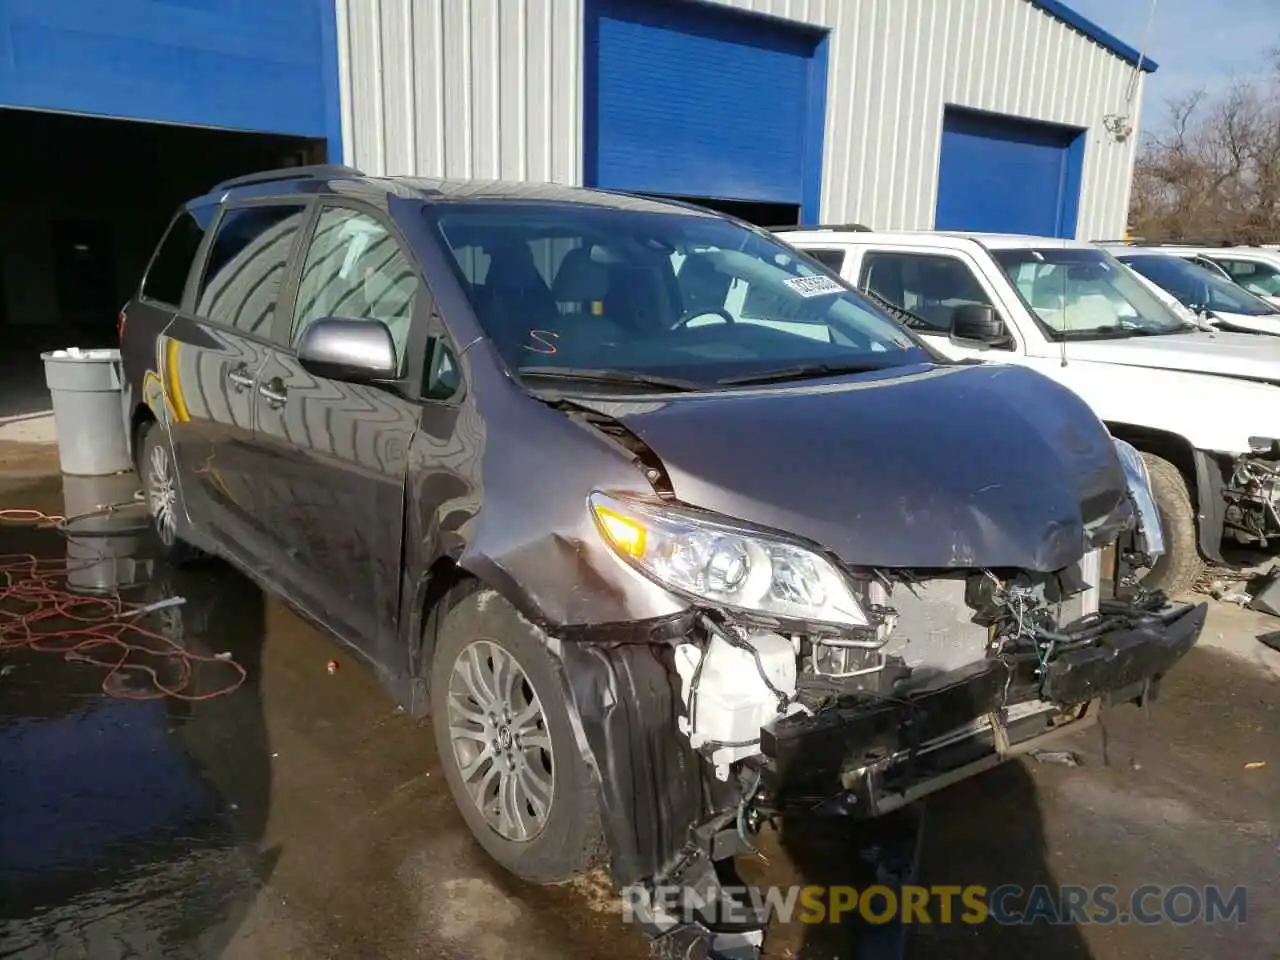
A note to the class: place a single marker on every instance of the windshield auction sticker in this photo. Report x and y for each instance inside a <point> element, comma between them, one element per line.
<point>814,286</point>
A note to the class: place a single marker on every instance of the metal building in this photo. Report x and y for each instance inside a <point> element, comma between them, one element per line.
<point>976,114</point>
<point>1012,115</point>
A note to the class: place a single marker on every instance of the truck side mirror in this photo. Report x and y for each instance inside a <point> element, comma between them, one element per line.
<point>976,324</point>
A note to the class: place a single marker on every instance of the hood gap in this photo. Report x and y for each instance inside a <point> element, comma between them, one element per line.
<point>641,454</point>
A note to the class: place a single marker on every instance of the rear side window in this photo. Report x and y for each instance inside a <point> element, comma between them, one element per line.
<point>247,265</point>
<point>167,276</point>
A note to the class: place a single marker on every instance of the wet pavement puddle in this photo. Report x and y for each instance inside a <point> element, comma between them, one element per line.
<point>301,815</point>
<point>293,816</point>
<point>115,840</point>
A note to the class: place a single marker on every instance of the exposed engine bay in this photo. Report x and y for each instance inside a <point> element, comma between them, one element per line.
<point>956,672</point>
<point>737,679</point>
<point>1252,493</point>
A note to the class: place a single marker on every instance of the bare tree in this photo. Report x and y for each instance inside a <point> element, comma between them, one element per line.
<point>1212,170</point>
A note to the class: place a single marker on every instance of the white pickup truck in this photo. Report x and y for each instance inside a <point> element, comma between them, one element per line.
<point>1203,406</point>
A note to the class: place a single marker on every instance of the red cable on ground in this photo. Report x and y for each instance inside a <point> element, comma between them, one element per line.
<point>39,612</point>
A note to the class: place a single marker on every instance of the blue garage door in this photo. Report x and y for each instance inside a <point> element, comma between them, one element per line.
<point>1007,175</point>
<point>268,66</point>
<point>689,100</point>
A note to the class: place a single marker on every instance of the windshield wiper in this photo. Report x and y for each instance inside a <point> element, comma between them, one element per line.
<point>901,314</point>
<point>631,378</point>
<point>806,371</point>
<point>1117,333</point>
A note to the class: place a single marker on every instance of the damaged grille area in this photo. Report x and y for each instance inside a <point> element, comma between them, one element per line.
<point>935,629</point>
<point>931,624</point>
<point>876,752</point>
<point>740,677</point>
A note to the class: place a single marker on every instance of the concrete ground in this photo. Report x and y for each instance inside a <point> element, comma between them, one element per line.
<point>303,816</point>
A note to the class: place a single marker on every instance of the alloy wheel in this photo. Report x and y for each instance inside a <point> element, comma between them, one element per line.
<point>162,494</point>
<point>500,740</point>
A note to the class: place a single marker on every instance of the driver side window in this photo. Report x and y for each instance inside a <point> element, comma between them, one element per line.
<point>1256,277</point>
<point>356,270</point>
<point>931,286</point>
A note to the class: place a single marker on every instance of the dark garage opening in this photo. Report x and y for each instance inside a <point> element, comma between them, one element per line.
<point>84,199</point>
<point>82,202</point>
<point>760,213</point>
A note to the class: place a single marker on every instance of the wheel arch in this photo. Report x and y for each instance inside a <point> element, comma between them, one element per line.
<point>141,416</point>
<point>436,590</point>
<point>623,703</point>
<point>1201,473</point>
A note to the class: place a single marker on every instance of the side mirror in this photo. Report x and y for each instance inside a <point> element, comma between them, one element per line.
<point>357,351</point>
<point>977,324</point>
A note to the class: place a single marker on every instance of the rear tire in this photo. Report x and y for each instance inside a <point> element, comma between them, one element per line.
<point>506,743</point>
<point>159,477</point>
<point>1177,571</point>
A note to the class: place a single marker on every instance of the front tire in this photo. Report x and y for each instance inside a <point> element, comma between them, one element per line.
<point>506,742</point>
<point>159,477</point>
<point>1177,571</point>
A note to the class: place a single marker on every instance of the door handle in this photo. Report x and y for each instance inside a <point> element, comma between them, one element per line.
<point>274,393</point>
<point>241,379</point>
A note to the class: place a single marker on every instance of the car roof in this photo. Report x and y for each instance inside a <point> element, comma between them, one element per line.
<point>932,238</point>
<point>345,180</point>
<point>1120,251</point>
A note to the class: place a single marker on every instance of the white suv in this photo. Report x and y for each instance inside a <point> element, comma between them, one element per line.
<point>1203,406</point>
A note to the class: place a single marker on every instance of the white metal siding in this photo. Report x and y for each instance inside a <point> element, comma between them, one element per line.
<point>489,89</point>
<point>493,89</point>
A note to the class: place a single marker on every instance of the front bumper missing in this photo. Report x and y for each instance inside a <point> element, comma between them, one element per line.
<point>866,756</point>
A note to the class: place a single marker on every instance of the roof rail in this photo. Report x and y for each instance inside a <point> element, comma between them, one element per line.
<point>1192,242</point>
<point>319,171</point>
<point>842,227</point>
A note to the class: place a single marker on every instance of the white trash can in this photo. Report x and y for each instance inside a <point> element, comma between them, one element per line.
<point>88,413</point>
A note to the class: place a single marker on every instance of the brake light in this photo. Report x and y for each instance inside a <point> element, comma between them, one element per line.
<point>120,322</point>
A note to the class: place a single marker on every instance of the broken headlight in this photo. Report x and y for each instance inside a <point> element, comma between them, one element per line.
<point>725,564</point>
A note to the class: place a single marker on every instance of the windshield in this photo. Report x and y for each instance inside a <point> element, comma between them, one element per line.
<point>660,291</point>
<point>1081,294</point>
<point>1196,287</point>
<point>1256,276</point>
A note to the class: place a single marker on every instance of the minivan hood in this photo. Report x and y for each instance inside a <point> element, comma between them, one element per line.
<point>1198,351</point>
<point>933,467</point>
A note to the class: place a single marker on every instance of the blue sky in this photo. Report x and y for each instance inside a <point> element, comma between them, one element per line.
<point>1198,43</point>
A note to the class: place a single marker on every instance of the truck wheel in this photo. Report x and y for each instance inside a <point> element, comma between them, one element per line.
<point>508,748</point>
<point>159,477</point>
<point>1175,572</point>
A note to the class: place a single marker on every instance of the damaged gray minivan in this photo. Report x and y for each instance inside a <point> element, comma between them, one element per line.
<point>669,530</point>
